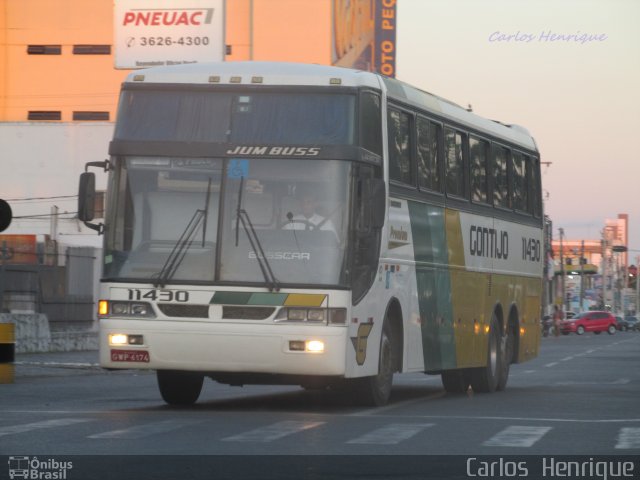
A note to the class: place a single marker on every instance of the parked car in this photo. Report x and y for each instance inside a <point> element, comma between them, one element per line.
<point>596,322</point>
<point>631,322</point>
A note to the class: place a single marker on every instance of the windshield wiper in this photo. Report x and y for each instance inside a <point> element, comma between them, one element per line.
<point>185,241</point>
<point>242,217</point>
<point>180,249</point>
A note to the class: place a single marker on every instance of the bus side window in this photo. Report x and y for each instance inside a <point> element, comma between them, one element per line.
<point>479,154</point>
<point>534,186</point>
<point>370,122</point>
<point>501,178</point>
<point>398,125</point>
<point>520,182</point>
<point>427,140</point>
<point>454,162</point>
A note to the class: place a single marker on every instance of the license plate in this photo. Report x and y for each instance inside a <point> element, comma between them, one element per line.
<point>129,356</point>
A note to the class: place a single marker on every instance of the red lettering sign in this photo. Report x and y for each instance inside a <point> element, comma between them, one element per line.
<point>166,18</point>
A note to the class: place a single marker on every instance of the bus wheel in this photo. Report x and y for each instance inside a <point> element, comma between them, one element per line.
<point>455,381</point>
<point>485,379</point>
<point>375,391</point>
<point>506,357</point>
<point>179,388</point>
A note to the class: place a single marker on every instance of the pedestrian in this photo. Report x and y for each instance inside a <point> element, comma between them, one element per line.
<point>558,316</point>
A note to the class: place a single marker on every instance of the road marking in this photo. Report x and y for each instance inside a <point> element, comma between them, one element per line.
<point>629,437</point>
<point>620,381</point>
<point>551,364</point>
<point>517,436</point>
<point>566,359</point>
<point>146,430</point>
<point>28,427</point>
<point>382,410</point>
<point>391,434</point>
<point>273,432</point>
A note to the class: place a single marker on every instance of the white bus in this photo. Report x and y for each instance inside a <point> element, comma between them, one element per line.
<point>313,225</point>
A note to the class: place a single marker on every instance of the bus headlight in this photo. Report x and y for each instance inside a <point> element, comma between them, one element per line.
<point>315,316</point>
<point>108,308</point>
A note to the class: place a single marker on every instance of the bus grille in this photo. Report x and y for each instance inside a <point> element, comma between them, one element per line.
<point>247,313</point>
<point>184,311</point>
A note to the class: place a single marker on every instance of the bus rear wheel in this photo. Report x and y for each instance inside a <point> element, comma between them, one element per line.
<point>485,379</point>
<point>179,388</point>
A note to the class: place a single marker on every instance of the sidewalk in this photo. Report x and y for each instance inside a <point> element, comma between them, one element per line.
<point>56,363</point>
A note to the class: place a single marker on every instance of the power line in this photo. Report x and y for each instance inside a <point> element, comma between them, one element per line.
<point>40,198</point>
<point>44,215</point>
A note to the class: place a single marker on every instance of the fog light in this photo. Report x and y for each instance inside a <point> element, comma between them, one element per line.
<point>296,346</point>
<point>118,339</point>
<point>136,340</point>
<point>315,346</point>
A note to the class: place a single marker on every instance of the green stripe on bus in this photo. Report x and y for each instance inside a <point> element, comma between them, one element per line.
<point>231,298</point>
<point>273,299</point>
<point>434,285</point>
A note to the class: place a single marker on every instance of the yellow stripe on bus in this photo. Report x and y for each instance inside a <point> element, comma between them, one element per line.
<point>305,300</point>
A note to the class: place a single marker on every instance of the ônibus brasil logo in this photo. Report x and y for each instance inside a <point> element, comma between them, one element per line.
<point>35,469</point>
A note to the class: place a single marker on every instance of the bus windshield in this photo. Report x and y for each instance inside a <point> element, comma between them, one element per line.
<point>175,220</point>
<point>165,114</point>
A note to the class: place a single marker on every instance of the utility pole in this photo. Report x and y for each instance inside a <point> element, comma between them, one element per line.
<point>564,296</point>
<point>582,260</point>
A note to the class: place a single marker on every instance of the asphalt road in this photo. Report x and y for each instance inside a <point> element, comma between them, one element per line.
<point>581,396</point>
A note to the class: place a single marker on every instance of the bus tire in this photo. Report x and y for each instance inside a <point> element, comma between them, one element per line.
<point>179,388</point>
<point>455,381</point>
<point>375,391</point>
<point>506,358</point>
<point>485,379</point>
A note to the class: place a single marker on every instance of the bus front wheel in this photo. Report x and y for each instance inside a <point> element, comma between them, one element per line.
<point>179,388</point>
<point>376,390</point>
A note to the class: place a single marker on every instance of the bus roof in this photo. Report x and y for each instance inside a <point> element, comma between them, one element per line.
<point>282,73</point>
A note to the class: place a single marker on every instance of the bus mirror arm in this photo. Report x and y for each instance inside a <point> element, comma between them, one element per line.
<point>106,165</point>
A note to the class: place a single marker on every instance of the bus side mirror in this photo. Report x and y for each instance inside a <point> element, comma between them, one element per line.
<point>87,196</point>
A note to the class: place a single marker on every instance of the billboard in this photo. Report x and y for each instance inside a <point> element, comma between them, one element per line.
<point>151,33</point>
<point>18,250</point>
<point>364,35</point>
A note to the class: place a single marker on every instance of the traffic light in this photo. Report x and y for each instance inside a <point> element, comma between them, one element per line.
<point>5,215</point>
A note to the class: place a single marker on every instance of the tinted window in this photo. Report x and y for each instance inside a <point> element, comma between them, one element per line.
<point>520,182</point>
<point>501,179</point>
<point>428,139</point>
<point>399,146</point>
<point>453,162</point>
<point>534,165</point>
<point>478,153</point>
<point>370,124</point>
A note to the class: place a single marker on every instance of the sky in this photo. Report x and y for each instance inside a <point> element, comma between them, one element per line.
<point>580,98</point>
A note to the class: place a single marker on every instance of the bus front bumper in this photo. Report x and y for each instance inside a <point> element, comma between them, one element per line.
<point>223,347</point>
